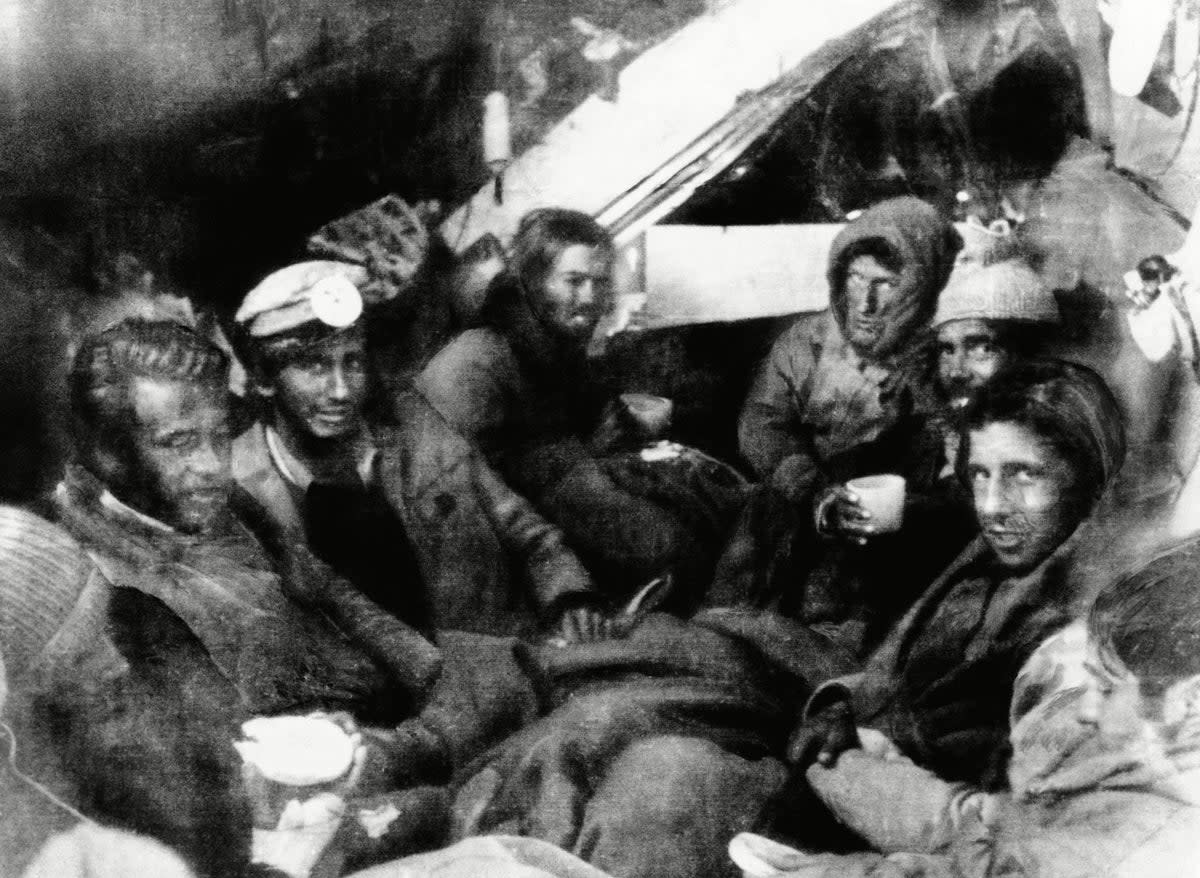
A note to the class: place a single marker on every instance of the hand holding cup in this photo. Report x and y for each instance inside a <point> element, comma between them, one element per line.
<point>863,508</point>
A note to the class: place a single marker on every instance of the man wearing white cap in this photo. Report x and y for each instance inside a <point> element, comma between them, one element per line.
<point>406,512</point>
<point>988,315</point>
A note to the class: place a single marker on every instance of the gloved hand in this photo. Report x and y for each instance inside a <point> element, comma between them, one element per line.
<point>823,736</point>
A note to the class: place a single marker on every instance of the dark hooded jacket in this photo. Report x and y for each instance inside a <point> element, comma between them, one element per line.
<point>815,396</point>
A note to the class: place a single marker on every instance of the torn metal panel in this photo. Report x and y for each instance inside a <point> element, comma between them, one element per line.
<point>674,106</point>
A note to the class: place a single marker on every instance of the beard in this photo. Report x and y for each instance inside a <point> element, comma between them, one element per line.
<point>957,393</point>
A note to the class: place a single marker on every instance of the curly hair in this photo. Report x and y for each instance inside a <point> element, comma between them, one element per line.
<point>135,348</point>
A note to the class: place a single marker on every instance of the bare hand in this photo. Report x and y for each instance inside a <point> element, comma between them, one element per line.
<point>843,515</point>
<point>583,625</point>
<point>612,433</point>
<point>824,736</point>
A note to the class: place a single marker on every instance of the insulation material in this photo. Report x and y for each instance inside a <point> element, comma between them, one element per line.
<point>710,274</point>
<point>387,236</point>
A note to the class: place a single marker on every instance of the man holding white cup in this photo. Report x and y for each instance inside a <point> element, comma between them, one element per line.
<point>863,507</point>
<point>989,315</point>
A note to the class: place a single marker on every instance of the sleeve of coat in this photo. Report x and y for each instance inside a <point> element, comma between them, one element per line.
<point>551,570</point>
<point>1108,840</point>
<point>770,430</point>
<point>896,805</point>
<point>465,383</point>
<point>869,865</point>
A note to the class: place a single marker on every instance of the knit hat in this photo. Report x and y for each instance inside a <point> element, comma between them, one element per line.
<point>1006,290</point>
<point>42,574</point>
<point>319,290</point>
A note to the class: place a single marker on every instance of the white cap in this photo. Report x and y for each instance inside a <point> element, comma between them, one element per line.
<point>320,290</point>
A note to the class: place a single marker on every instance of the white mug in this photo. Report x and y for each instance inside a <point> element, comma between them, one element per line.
<point>883,497</point>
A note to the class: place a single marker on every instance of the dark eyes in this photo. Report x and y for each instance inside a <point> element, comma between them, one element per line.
<point>177,441</point>
<point>1026,473</point>
<point>575,281</point>
<point>975,350</point>
<point>188,439</point>
<point>318,365</point>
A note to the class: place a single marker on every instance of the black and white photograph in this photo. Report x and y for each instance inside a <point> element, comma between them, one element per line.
<point>599,438</point>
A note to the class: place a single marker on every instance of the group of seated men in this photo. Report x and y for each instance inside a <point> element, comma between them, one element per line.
<point>571,648</point>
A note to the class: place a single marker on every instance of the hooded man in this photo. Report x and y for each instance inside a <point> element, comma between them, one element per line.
<point>835,380</point>
<point>834,567</point>
<point>409,514</point>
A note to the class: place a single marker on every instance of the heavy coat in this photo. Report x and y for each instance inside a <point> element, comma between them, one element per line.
<point>815,396</point>
<point>940,683</point>
<point>531,405</point>
<point>489,562</point>
<point>777,560</point>
<point>226,590</point>
<point>1080,806</point>
<point>284,653</point>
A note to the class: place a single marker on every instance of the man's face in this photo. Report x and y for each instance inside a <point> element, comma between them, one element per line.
<point>1112,703</point>
<point>1024,494</point>
<point>576,292</point>
<point>879,306</point>
<point>968,356</point>
<point>177,458</point>
<point>322,392</point>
